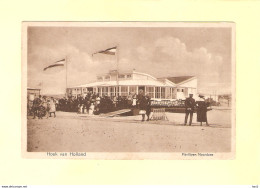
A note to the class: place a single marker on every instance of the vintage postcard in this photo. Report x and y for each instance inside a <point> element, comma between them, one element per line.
<point>128,90</point>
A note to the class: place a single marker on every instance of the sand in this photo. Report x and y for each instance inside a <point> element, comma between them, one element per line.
<point>83,133</point>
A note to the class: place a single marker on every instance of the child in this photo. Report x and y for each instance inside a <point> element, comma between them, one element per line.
<point>52,107</point>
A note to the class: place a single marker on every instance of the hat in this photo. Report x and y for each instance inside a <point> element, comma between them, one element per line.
<point>201,96</point>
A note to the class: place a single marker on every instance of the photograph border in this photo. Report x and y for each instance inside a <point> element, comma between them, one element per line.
<point>126,155</point>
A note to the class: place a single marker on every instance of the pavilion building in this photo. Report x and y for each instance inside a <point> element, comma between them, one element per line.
<point>128,83</point>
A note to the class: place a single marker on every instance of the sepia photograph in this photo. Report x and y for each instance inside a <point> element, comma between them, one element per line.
<point>128,90</point>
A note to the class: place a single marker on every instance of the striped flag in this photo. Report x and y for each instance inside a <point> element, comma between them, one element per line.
<point>109,51</point>
<point>56,64</point>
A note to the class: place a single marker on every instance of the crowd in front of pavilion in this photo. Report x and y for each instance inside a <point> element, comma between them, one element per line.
<point>93,104</point>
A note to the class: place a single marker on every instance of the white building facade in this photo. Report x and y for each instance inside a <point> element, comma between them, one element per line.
<point>125,84</point>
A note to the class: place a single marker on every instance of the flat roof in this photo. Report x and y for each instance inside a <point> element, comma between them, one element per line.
<point>125,83</point>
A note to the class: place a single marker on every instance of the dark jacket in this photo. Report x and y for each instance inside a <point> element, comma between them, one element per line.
<point>142,102</point>
<point>190,104</point>
<point>202,111</point>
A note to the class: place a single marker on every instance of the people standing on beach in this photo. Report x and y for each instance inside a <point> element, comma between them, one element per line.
<point>91,109</point>
<point>202,110</point>
<point>52,107</point>
<point>87,103</point>
<point>148,108</point>
<point>45,104</point>
<point>142,104</point>
<point>48,108</point>
<point>189,108</point>
<point>134,100</point>
<point>129,100</point>
<point>36,103</point>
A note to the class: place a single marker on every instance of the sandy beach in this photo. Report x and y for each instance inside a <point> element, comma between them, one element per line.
<point>83,133</point>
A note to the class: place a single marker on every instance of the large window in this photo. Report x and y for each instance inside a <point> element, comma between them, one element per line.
<point>112,91</point>
<point>124,91</point>
<point>104,91</point>
<point>157,92</point>
<point>132,90</point>
<point>99,90</point>
<point>121,76</point>
<point>163,92</point>
<point>168,93</point>
<point>150,91</point>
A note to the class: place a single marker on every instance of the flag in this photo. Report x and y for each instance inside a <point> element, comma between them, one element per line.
<point>57,63</point>
<point>109,51</point>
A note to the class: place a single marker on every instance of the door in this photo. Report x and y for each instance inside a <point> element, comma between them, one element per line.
<point>141,88</point>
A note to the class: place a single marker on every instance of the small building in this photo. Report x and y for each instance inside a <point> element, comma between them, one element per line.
<point>32,92</point>
<point>129,83</point>
<point>225,100</point>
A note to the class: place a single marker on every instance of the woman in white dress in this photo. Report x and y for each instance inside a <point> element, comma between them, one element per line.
<point>52,107</point>
<point>91,109</point>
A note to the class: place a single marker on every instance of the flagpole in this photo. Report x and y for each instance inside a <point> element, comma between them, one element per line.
<point>66,76</point>
<point>117,69</point>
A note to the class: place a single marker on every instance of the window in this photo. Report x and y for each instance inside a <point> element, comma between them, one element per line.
<point>99,90</point>
<point>112,91</point>
<point>150,91</point>
<point>124,91</point>
<point>99,78</point>
<point>174,93</point>
<point>163,92</point>
<point>121,76</point>
<point>104,91</point>
<point>168,93</point>
<point>132,90</point>
<point>129,76</point>
<point>182,90</point>
<point>171,93</point>
<point>157,92</point>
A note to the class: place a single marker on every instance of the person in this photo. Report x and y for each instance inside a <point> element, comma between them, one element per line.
<point>48,108</point>
<point>87,103</point>
<point>189,108</point>
<point>148,108</point>
<point>134,100</point>
<point>52,107</point>
<point>45,104</point>
<point>36,103</point>
<point>202,110</point>
<point>91,109</point>
<point>115,101</point>
<point>129,100</point>
<point>142,103</point>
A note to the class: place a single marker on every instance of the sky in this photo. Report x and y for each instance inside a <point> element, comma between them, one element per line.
<point>204,52</point>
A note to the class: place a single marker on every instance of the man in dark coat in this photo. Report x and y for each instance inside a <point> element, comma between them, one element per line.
<point>142,104</point>
<point>148,108</point>
<point>189,108</point>
<point>36,103</point>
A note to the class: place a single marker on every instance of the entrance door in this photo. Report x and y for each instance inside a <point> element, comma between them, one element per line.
<point>141,88</point>
<point>90,89</point>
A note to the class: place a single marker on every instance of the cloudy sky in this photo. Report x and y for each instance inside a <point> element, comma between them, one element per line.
<point>161,52</point>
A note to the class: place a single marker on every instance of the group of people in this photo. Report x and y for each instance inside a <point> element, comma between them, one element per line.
<point>93,103</point>
<point>201,107</point>
<point>43,106</point>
